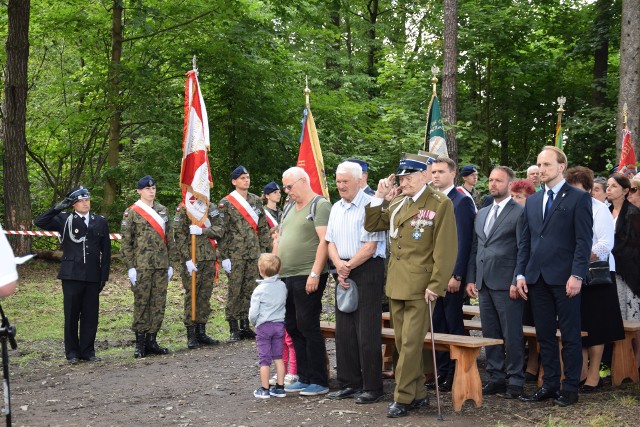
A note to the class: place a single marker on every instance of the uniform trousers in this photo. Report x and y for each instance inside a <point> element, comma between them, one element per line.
<point>242,282</point>
<point>81,306</point>
<point>149,300</point>
<point>204,286</point>
<point>302,321</point>
<point>358,345</point>
<point>410,325</point>
<point>552,309</point>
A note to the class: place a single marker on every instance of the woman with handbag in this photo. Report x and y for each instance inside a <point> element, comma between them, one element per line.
<point>600,311</point>
<point>626,250</point>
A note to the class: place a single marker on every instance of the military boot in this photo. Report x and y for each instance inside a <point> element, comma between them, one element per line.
<point>192,338</point>
<point>139,350</point>
<point>234,332</point>
<point>202,337</point>
<point>245,330</point>
<point>152,346</point>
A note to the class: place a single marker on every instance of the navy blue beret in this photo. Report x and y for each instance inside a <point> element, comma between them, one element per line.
<point>468,170</point>
<point>270,188</point>
<point>240,170</point>
<point>146,181</point>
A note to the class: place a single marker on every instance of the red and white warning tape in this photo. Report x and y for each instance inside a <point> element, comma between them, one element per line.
<point>113,236</point>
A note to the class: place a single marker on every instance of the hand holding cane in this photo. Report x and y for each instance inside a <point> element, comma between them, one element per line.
<point>433,352</point>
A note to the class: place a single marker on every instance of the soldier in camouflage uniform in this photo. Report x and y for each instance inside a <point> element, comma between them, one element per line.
<point>146,250</point>
<point>205,271</point>
<point>245,235</point>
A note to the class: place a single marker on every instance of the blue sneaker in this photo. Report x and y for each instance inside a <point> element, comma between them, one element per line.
<point>277,392</point>
<point>261,393</point>
<point>314,390</point>
<point>295,387</point>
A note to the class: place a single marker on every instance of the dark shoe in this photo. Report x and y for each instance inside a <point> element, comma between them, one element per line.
<point>418,404</point>
<point>567,398</point>
<point>140,350</point>
<point>91,359</point>
<point>152,347</point>
<point>73,360</point>
<point>513,392</point>
<point>592,388</point>
<point>530,378</point>
<point>493,388</point>
<point>431,385</point>
<point>540,395</point>
<point>202,337</point>
<point>397,410</point>
<point>245,330</point>
<point>369,397</point>
<point>344,393</point>
<point>192,339</point>
<point>446,385</point>
<point>234,331</point>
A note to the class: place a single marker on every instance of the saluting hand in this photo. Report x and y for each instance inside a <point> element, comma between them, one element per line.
<point>385,185</point>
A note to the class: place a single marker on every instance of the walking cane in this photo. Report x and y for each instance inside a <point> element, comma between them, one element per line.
<point>435,366</point>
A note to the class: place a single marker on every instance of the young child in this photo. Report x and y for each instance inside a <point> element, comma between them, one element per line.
<point>267,314</point>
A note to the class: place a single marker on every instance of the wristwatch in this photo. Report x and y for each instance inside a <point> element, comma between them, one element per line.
<point>314,275</point>
<point>458,278</point>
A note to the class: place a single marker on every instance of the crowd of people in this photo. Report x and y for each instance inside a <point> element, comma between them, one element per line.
<point>524,251</point>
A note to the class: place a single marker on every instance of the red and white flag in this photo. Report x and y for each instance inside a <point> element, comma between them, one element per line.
<point>195,175</point>
<point>627,166</point>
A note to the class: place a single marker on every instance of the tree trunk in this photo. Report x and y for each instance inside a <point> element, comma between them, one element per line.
<point>332,61</point>
<point>372,69</point>
<point>629,71</point>
<point>14,113</point>
<point>115,110</point>
<point>604,10</point>
<point>449,75</point>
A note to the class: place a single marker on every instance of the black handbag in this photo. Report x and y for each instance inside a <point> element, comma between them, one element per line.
<point>599,274</point>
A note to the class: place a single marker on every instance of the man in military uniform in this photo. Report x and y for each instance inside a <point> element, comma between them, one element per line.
<point>145,251</point>
<point>244,236</point>
<point>422,233</point>
<point>205,271</point>
<point>84,270</point>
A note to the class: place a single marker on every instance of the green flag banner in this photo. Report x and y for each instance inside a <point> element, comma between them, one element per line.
<point>435,129</point>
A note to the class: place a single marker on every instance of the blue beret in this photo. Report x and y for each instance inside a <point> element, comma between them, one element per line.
<point>240,170</point>
<point>364,165</point>
<point>79,193</point>
<point>146,181</point>
<point>270,188</point>
<point>468,170</point>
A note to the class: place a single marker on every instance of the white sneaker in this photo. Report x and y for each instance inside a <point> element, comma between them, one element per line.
<point>290,379</point>
<point>274,379</point>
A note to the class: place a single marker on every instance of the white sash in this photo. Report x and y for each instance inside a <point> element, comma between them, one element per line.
<point>148,209</point>
<point>243,202</point>
<point>272,220</point>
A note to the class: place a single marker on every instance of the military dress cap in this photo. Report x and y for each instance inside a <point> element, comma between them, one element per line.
<point>146,181</point>
<point>270,188</point>
<point>431,157</point>
<point>411,163</point>
<point>79,193</point>
<point>240,170</point>
<point>468,170</point>
<point>364,165</point>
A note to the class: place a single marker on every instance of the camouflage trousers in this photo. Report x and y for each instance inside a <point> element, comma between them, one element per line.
<point>149,300</point>
<point>204,286</point>
<point>242,282</point>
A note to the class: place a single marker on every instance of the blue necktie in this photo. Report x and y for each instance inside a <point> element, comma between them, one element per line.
<point>547,207</point>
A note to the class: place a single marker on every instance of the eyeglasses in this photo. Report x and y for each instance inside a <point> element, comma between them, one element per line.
<point>633,189</point>
<point>290,186</point>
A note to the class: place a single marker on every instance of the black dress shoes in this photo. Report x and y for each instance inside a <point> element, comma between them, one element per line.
<point>369,397</point>
<point>540,395</point>
<point>513,392</point>
<point>91,359</point>
<point>493,388</point>
<point>397,410</point>
<point>73,360</point>
<point>567,398</point>
<point>591,388</point>
<point>344,393</point>
<point>446,385</point>
<point>419,403</point>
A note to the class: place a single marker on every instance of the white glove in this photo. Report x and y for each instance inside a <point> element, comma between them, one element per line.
<point>133,275</point>
<point>195,229</point>
<point>170,272</point>
<point>226,265</point>
<point>191,267</point>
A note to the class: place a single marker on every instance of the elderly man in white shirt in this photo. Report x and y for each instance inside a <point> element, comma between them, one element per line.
<point>357,255</point>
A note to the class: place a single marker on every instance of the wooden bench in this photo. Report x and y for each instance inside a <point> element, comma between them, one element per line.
<point>464,349</point>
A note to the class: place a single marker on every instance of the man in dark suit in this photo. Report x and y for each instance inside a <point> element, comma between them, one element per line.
<point>447,316</point>
<point>490,276</point>
<point>553,259</point>
<point>422,235</point>
<point>84,270</point>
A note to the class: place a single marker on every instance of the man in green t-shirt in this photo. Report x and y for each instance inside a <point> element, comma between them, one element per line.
<point>303,252</point>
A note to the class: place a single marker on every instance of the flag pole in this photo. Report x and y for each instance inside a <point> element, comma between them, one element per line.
<point>193,244</point>
<point>307,91</point>
<point>625,114</point>
<point>434,81</point>
<point>561,102</point>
